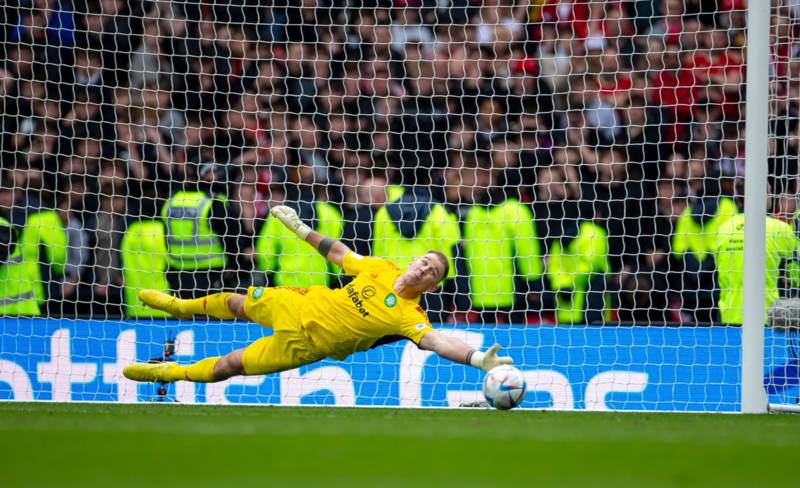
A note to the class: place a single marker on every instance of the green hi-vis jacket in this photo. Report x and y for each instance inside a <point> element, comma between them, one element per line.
<point>18,282</point>
<point>394,192</point>
<point>192,244</point>
<point>438,232</point>
<point>500,241</point>
<point>782,247</point>
<point>569,270</point>
<point>696,237</point>
<point>44,231</point>
<point>293,261</point>
<point>144,265</point>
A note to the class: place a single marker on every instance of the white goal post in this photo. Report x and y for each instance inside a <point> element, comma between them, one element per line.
<point>758,24</point>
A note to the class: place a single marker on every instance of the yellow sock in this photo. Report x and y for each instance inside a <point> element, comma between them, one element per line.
<point>199,372</point>
<point>213,305</point>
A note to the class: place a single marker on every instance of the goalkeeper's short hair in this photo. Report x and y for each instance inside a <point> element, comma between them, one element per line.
<point>445,262</point>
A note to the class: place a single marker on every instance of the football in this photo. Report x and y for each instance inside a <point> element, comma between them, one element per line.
<point>504,387</point>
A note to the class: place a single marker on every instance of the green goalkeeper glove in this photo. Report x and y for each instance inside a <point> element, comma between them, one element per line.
<point>489,359</point>
<point>289,218</point>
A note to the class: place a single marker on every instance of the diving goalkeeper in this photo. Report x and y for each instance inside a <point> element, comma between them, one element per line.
<point>380,305</point>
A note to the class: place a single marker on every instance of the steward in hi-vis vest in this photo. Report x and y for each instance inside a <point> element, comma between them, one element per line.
<point>143,253</point>
<point>503,256</point>
<point>692,244</point>
<point>782,248</point>
<point>17,276</point>
<point>45,242</point>
<point>576,267</point>
<point>204,236</point>
<point>56,245</point>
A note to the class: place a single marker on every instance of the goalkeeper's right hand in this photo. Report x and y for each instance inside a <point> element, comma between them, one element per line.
<point>289,218</point>
<point>489,359</point>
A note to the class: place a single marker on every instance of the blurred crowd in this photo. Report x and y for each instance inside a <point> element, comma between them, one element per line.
<point>625,115</point>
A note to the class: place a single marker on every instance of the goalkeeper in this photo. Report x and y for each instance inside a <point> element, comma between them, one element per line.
<point>380,305</point>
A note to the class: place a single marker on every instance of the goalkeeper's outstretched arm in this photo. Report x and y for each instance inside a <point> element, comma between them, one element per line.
<point>332,249</point>
<point>457,351</point>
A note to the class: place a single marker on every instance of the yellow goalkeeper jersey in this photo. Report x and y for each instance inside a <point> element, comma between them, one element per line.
<point>365,313</point>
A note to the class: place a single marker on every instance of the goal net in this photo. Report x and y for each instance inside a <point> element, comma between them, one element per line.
<point>579,162</point>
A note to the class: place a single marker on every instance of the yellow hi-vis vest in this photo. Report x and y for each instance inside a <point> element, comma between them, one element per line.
<point>191,243</point>
<point>144,264</point>
<point>18,283</point>
<point>697,238</point>
<point>499,241</point>
<point>570,269</point>
<point>781,247</point>
<point>45,232</point>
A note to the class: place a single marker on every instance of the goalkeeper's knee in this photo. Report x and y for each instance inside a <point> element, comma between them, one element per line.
<point>235,304</point>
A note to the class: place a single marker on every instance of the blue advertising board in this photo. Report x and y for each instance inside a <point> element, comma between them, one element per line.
<point>566,367</point>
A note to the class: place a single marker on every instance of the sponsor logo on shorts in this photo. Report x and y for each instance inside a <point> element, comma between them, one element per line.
<point>258,292</point>
<point>421,326</point>
<point>390,300</point>
<point>355,297</point>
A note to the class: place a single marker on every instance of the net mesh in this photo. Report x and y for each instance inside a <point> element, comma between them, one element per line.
<point>576,161</point>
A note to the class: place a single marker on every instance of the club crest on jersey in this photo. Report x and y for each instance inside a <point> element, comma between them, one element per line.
<point>390,300</point>
<point>258,292</point>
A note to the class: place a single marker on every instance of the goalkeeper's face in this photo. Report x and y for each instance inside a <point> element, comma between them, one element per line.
<point>425,273</point>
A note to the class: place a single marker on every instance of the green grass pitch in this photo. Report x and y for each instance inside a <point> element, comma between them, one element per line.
<point>115,446</point>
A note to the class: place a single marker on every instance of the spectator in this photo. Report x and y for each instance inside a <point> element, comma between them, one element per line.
<point>609,187</point>
<point>301,86</point>
<point>407,27</point>
<point>108,228</point>
<point>370,196</point>
<point>600,112</point>
<point>45,22</point>
<point>364,190</point>
<point>419,130</point>
<point>381,94</point>
<point>115,25</point>
<point>657,266</point>
<point>148,63</point>
<point>643,137</point>
<point>246,139</point>
<point>89,117</point>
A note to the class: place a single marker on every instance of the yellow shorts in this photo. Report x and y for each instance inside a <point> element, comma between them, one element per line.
<point>279,309</point>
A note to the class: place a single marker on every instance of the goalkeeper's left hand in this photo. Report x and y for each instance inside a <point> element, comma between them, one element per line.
<point>489,359</point>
